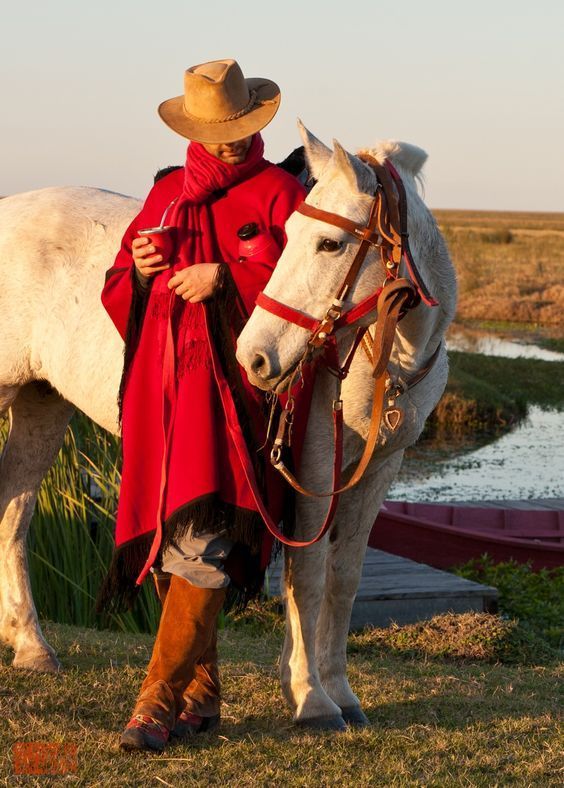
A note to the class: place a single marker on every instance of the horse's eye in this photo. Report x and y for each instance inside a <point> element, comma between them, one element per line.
<point>329,245</point>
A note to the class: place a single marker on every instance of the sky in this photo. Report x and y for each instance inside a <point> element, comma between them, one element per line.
<point>479,85</point>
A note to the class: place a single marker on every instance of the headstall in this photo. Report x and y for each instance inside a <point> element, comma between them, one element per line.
<point>385,229</point>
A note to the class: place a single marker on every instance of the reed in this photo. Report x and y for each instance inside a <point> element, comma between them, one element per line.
<point>70,541</point>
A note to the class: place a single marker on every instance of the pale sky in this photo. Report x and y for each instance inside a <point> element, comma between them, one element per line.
<point>479,85</point>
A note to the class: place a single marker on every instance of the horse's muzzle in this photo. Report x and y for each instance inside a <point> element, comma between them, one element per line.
<point>263,369</point>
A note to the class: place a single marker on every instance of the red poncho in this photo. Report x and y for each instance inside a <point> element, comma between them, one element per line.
<point>180,463</point>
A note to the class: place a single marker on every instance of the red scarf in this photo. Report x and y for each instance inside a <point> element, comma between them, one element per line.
<point>206,174</point>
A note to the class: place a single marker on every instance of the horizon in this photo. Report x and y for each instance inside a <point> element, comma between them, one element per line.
<point>470,86</point>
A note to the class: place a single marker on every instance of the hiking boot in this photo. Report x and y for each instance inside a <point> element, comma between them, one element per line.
<point>189,724</point>
<point>144,733</point>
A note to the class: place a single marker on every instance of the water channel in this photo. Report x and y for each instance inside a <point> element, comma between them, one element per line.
<point>526,463</point>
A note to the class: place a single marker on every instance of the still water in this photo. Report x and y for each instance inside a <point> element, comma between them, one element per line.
<point>526,463</point>
<point>491,345</point>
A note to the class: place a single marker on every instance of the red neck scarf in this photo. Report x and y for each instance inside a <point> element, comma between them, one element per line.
<point>206,174</point>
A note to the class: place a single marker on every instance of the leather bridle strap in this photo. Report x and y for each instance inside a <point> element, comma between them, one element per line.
<point>399,210</point>
<point>310,323</point>
<point>398,296</point>
<point>359,231</point>
<point>337,465</point>
<point>320,329</point>
<point>408,257</point>
<point>368,235</point>
<point>394,299</point>
<point>287,313</point>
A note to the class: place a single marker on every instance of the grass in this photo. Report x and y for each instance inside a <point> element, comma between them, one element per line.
<point>535,598</point>
<point>437,718</point>
<point>552,343</point>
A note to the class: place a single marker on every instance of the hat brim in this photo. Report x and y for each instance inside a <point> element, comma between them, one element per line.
<point>267,102</point>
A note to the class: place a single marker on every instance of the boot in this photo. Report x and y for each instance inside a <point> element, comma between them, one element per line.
<point>202,696</point>
<point>186,627</point>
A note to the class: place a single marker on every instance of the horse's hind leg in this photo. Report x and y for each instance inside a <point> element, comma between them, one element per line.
<point>355,517</point>
<point>38,419</point>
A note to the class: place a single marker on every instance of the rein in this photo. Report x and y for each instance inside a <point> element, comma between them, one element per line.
<point>385,229</point>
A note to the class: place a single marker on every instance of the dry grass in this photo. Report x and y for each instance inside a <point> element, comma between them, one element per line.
<point>435,721</point>
<point>510,265</point>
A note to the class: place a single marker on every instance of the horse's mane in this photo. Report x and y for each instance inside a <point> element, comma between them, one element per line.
<point>409,157</point>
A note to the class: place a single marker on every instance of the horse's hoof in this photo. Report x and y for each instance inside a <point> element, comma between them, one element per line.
<point>42,662</point>
<point>354,716</point>
<point>327,722</point>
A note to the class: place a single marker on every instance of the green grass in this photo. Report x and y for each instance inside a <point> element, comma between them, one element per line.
<point>552,343</point>
<point>535,598</point>
<point>522,380</point>
<point>436,719</point>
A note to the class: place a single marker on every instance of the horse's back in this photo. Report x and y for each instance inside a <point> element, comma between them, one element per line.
<point>55,245</point>
<point>41,228</point>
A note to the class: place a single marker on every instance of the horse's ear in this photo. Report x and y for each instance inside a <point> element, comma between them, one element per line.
<point>317,154</point>
<point>357,173</point>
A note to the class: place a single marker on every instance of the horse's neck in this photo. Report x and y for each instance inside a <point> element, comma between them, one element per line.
<point>418,335</point>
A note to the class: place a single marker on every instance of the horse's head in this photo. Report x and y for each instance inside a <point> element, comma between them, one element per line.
<point>313,265</point>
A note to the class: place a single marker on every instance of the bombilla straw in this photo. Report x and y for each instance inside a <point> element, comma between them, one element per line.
<point>165,214</point>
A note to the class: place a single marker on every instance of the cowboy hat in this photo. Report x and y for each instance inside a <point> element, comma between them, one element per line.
<point>219,104</point>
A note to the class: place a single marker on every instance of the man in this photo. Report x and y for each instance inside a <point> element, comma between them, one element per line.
<point>185,501</point>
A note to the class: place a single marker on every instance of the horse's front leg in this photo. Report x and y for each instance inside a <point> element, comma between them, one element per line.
<point>347,549</point>
<point>304,576</point>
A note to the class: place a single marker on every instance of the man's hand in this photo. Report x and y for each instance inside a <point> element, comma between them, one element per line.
<point>145,259</point>
<point>195,283</point>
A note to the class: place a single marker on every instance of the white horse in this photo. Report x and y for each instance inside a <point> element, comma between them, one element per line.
<point>60,351</point>
<point>321,581</point>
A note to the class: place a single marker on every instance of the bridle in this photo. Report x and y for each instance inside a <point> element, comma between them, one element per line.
<point>386,229</point>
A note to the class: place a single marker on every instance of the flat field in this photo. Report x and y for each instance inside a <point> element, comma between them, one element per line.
<point>510,266</point>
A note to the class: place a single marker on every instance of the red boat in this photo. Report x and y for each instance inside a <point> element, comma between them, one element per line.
<point>444,535</point>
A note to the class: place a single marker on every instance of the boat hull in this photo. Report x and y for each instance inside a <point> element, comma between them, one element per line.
<point>444,536</point>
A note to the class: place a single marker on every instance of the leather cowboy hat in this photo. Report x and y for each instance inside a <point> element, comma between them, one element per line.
<point>219,104</point>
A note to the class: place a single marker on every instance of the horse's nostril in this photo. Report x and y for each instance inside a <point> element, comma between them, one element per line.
<point>259,364</point>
